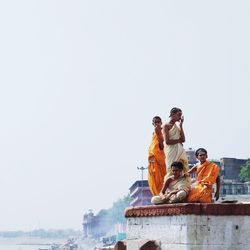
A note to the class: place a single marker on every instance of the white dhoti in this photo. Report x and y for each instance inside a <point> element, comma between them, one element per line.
<point>175,152</point>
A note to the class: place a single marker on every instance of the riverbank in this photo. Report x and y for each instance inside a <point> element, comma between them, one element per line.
<point>30,241</point>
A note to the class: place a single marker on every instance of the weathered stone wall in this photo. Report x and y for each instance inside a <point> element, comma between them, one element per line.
<point>190,226</point>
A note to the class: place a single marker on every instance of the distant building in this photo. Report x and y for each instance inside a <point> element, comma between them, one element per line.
<point>140,193</point>
<point>231,168</point>
<point>87,221</point>
<point>191,156</point>
<point>231,183</point>
<point>234,188</point>
<point>95,226</point>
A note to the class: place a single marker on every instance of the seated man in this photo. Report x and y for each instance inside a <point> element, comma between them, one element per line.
<point>207,175</point>
<point>175,188</point>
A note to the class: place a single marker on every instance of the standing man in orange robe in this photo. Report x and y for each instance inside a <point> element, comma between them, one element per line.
<point>156,159</point>
<point>207,175</point>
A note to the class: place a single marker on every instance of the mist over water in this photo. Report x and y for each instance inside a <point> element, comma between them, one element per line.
<point>21,247</point>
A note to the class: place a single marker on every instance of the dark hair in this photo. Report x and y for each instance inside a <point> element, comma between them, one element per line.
<point>200,150</point>
<point>174,111</point>
<point>177,164</point>
<point>157,117</point>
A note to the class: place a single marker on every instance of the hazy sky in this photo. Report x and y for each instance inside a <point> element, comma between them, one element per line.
<point>81,81</point>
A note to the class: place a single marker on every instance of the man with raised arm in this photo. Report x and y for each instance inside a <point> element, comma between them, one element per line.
<point>207,175</point>
<point>174,136</point>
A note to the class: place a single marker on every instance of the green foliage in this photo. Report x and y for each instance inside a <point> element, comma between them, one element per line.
<point>245,171</point>
<point>117,210</point>
<point>103,213</point>
<point>116,213</point>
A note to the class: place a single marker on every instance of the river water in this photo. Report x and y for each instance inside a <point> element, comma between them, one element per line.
<point>22,247</point>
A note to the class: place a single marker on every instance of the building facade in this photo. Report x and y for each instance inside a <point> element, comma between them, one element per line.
<point>234,188</point>
<point>95,226</point>
<point>140,193</point>
<point>191,156</point>
<point>231,168</point>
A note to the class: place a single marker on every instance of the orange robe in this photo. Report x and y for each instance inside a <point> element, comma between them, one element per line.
<point>206,177</point>
<point>156,166</point>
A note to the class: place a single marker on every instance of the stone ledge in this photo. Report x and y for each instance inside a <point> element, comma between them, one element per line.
<point>188,208</point>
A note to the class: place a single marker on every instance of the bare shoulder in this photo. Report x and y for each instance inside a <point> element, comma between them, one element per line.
<point>169,179</point>
<point>166,126</point>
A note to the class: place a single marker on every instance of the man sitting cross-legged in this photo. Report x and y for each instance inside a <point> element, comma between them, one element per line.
<point>175,188</point>
<point>207,175</point>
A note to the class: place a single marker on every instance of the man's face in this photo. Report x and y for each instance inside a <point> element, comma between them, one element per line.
<point>156,122</point>
<point>176,172</point>
<point>177,116</point>
<point>202,156</point>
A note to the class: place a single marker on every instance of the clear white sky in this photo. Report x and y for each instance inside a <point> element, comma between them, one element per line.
<point>81,81</point>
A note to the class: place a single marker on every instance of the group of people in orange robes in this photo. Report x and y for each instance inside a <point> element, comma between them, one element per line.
<point>169,176</point>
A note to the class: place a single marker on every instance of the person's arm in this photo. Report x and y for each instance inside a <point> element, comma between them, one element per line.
<point>164,188</point>
<point>191,170</point>
<point>217,192</point>
<point>166,136</point>
<point>182,131</point>
<point>159,136</point>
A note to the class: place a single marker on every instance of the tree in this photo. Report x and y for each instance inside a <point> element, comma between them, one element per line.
<point>115,214</point>
<point>245,171</point>
<point>117,210</point>
<point>103,213</point>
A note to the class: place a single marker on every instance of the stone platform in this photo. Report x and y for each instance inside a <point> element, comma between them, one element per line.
<point>189,226</point>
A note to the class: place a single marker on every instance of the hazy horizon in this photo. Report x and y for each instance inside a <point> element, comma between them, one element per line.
<point>81,81</point>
